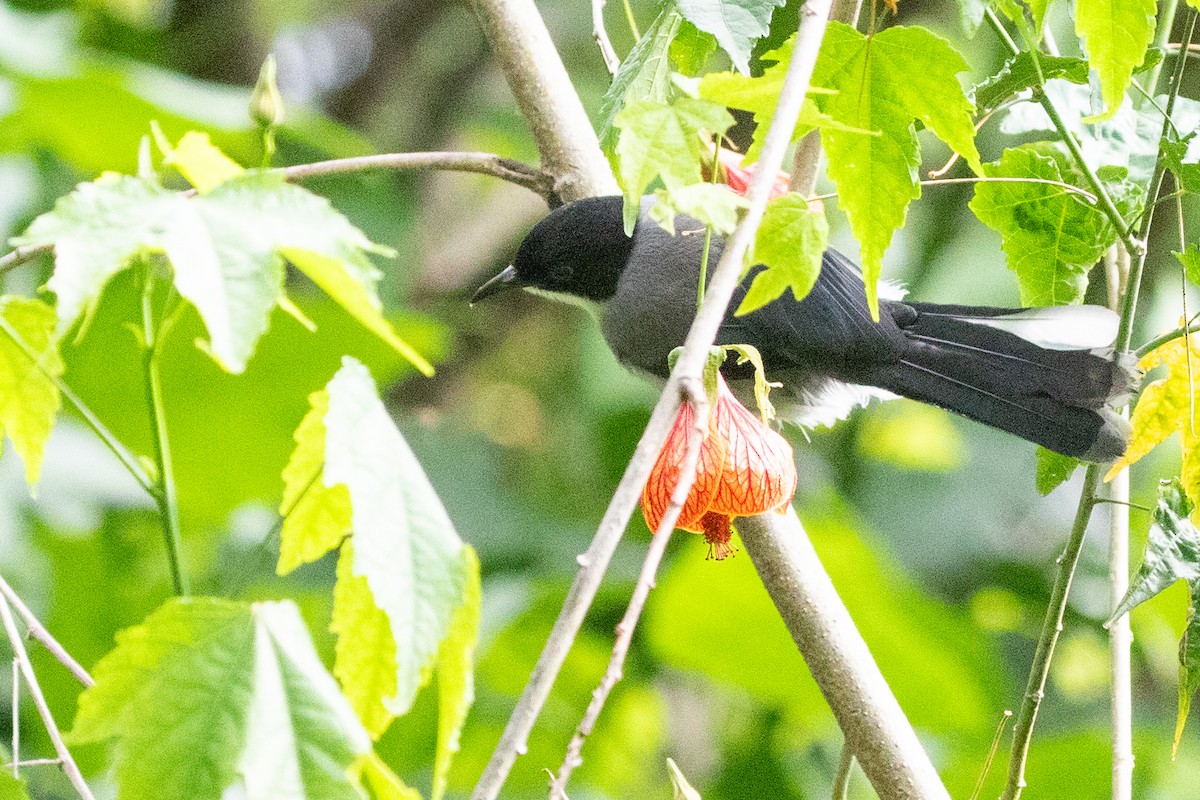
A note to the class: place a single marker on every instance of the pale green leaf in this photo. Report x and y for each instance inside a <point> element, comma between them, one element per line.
<point>1187,173</point>
<point>12,788</point>
<point>1116,34</point>
<point>790,243</point>
<point>735,24</point>
<point>224,247</point>
<point>666,142</point>
<point>708,203</point>
<point>210,694</point>
<point>971,14</point>
<point>644,74</point>
<point>29,399</point>
<point>883,83</point>
<point>200,161</point>
<point>1051,236</point>
<point>691,49</point>
<point>456,676</point>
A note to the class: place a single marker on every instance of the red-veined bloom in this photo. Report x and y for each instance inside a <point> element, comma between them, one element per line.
<point>745,468</point>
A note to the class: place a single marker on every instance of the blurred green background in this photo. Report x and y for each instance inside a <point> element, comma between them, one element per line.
<point>930,525</point>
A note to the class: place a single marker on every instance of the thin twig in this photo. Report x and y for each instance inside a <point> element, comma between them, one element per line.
<point>841,778</point>
<point>16,716</point>
<point>21,255</point>
<point>38,631</point>
<point>1086,195</point>
<point>33,762</point>
<point>698,399</point>
<point>39,702</point>
<point>483,163</point>
<point>168,499</point>
<point>611,61</point>
<point>722,283</point>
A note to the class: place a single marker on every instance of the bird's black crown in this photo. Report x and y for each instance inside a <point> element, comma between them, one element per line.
<point>580,249</point>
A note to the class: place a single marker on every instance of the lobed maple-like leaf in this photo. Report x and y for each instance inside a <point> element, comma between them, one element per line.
<point>1115,34</point>
<point>790,243</point>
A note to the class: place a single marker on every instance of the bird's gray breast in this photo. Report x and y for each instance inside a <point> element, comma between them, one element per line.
<point>655,302</point>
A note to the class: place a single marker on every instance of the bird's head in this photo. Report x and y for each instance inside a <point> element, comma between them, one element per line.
<point>577,252</point>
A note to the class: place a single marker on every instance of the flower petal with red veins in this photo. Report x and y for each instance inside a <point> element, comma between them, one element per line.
<point>738,177</point>
<point>664,476</point>
<point>759,473</point>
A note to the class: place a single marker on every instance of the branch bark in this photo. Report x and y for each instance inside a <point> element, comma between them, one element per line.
<point>535,73</point>
<point>876,730</point>
<point>38,631</point>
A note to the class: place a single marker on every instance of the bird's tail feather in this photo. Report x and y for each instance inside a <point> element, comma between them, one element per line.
<point>1002,368</point>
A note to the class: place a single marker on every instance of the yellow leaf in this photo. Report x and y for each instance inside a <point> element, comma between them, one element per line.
<point>384,784</point>
<point>201,162</point>
<point>29,399</point>
<point>316,516</point>
<point>1164,405</point>
<point>365,656</point>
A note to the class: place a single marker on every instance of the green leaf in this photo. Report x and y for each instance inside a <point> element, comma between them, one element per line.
<point>1187,174</point>
<point>790,243</point>
<point>456,676</point>
<point>709,203</point>
<point>402,572</point>
<point>1053,470</point>
<point>209,693</point>
<point>645,74</point>
<point>1116,34</point>
<point>664,141</point>
<point>691,49</point>
<point>384,784</point>
<point>883,83</point>
<point>29,399</point>
<point>1051,236</point>
<point>735,24</point>
<point>1021,72</point>
<point>225,247</point>
<point>1190,259</point>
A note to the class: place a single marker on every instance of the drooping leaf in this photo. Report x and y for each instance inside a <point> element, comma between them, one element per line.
<point>883,83</point>
<point>207,694</point>
<point>402,572</point>
<point>645,74</point>
<point>1116,34</point>
<point>735,24</point>
<point>29,399</point>
<point>1053,470</point>
<point>790,243</point>
<point>225,248</point>
<point>1190,260</point>
<point>711,204</point>
<point>1172,554</point>
<point>1021,72</point>
<point>666,142</point>
<point>456,676</point>
<point>1051,236</point>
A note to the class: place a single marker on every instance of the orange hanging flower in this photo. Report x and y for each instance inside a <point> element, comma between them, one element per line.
<point>745,468</point>
<point>738,177</point>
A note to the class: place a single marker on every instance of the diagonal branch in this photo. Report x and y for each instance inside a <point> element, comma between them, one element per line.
<point>38,631</point>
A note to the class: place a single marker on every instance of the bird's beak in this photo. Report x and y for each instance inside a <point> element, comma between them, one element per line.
<point>507,279</point>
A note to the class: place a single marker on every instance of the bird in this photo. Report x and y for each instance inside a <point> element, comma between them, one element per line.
<point>1047,375</point>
